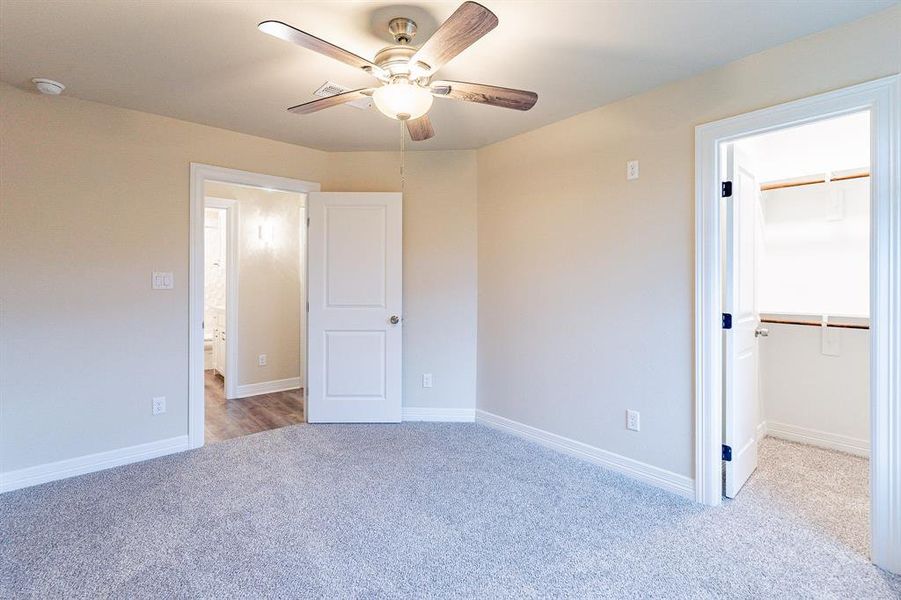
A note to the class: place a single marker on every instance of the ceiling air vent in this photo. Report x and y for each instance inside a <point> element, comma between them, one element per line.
<point>330,88</point>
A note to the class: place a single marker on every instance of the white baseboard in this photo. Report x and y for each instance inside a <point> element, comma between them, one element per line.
<point>822,439</point>
<point>449,415</point>
<point>22,478</point>
<point>267,387</point>
<point>667,480</point>
<point>761,431</point>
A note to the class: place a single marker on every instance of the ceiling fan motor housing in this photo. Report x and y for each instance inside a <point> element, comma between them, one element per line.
<point>395,60</point>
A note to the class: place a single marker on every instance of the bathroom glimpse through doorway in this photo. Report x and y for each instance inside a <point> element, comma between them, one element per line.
<point>220,230</point>
<point>248,299</point>
<point>253,309</point>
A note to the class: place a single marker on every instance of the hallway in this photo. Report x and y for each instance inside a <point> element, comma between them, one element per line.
<point>226,419</point>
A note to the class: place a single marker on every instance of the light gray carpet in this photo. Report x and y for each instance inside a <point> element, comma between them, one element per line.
<point>431,510</point>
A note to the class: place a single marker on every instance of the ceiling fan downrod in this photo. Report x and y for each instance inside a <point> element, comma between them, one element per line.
<point>403,29</point>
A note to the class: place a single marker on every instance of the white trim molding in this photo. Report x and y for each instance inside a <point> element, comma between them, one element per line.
<point>29,476</point>
<point>661,478</point>
<point>268,387</point>
<point>200,174</point>
<point>821,439</point>
<point>444,415</point>
<point>761,431</point>
<point>882,98</point>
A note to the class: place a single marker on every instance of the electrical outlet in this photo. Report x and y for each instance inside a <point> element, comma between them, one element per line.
<point>261,359</point>
<point>632,169</point>
<point>162,281</point>
<point>633,420</point>
<point>426,380</point>
<point>159,405</point>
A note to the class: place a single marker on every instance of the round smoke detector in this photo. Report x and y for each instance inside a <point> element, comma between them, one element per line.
<point>48,86</point>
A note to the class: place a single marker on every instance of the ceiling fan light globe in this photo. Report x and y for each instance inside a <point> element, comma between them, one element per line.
<point>402,101</point>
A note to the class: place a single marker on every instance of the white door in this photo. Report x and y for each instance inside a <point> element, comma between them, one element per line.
<point>354,336</point>
<point>740,384</point>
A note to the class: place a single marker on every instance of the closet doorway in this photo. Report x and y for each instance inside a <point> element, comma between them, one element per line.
<point>796,240</point>
<point>729,330</point>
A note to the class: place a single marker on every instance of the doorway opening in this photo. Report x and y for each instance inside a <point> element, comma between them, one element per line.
<point>248,299</point>
<point>334,262</point>
<point>254,313</point>
<point>795,235</point>
<point>879,100</point>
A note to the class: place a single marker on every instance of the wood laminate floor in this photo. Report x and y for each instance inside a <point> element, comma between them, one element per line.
<point>227,419</point>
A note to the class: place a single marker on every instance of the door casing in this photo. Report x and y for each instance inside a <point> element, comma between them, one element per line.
<point>882,98</point>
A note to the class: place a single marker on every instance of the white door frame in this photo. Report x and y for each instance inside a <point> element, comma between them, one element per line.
<point>200,174</point>
<point>232,211</point>
<point>882,98</point>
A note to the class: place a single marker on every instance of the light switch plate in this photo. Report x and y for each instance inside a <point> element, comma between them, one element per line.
<point>162,280</point>
<point>632,169</point>
<point>426,380</point>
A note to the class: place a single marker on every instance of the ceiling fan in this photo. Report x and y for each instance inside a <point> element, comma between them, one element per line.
<point>405,72</point>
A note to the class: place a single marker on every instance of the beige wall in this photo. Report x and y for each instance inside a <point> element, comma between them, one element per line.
<point>586,280</point>
<point>269,282</point>
<point>94,198</point>
<point>440,296</point>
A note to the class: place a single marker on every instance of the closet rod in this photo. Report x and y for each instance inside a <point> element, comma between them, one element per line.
<point>815,324</point>
<point>789,184</point>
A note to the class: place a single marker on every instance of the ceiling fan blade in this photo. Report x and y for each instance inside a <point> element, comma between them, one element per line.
<point>461,30</point>
<point>485,94</point>
<point>317,105</point>
<point>311,42</point>
<point>420,129</point>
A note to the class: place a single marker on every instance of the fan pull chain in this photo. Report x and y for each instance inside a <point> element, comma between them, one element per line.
<point>403,175</point>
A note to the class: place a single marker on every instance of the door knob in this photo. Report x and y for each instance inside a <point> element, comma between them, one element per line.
<point>394,320</point>
<point>761,332</point>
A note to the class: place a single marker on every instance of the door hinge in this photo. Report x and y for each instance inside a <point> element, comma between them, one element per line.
<point>308,307</point>
<point>308,221</point>
<point>727,189</point>
<point>727,453</point>
<point>727,321</point>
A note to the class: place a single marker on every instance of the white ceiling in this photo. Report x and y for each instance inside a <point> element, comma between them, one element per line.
<point>838,144</point>
<point>206,62</point>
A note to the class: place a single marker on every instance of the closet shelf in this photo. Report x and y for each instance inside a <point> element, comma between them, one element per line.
<point>814,323</point>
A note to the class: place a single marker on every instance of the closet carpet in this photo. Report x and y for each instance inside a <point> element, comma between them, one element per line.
<point>432,511</point>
